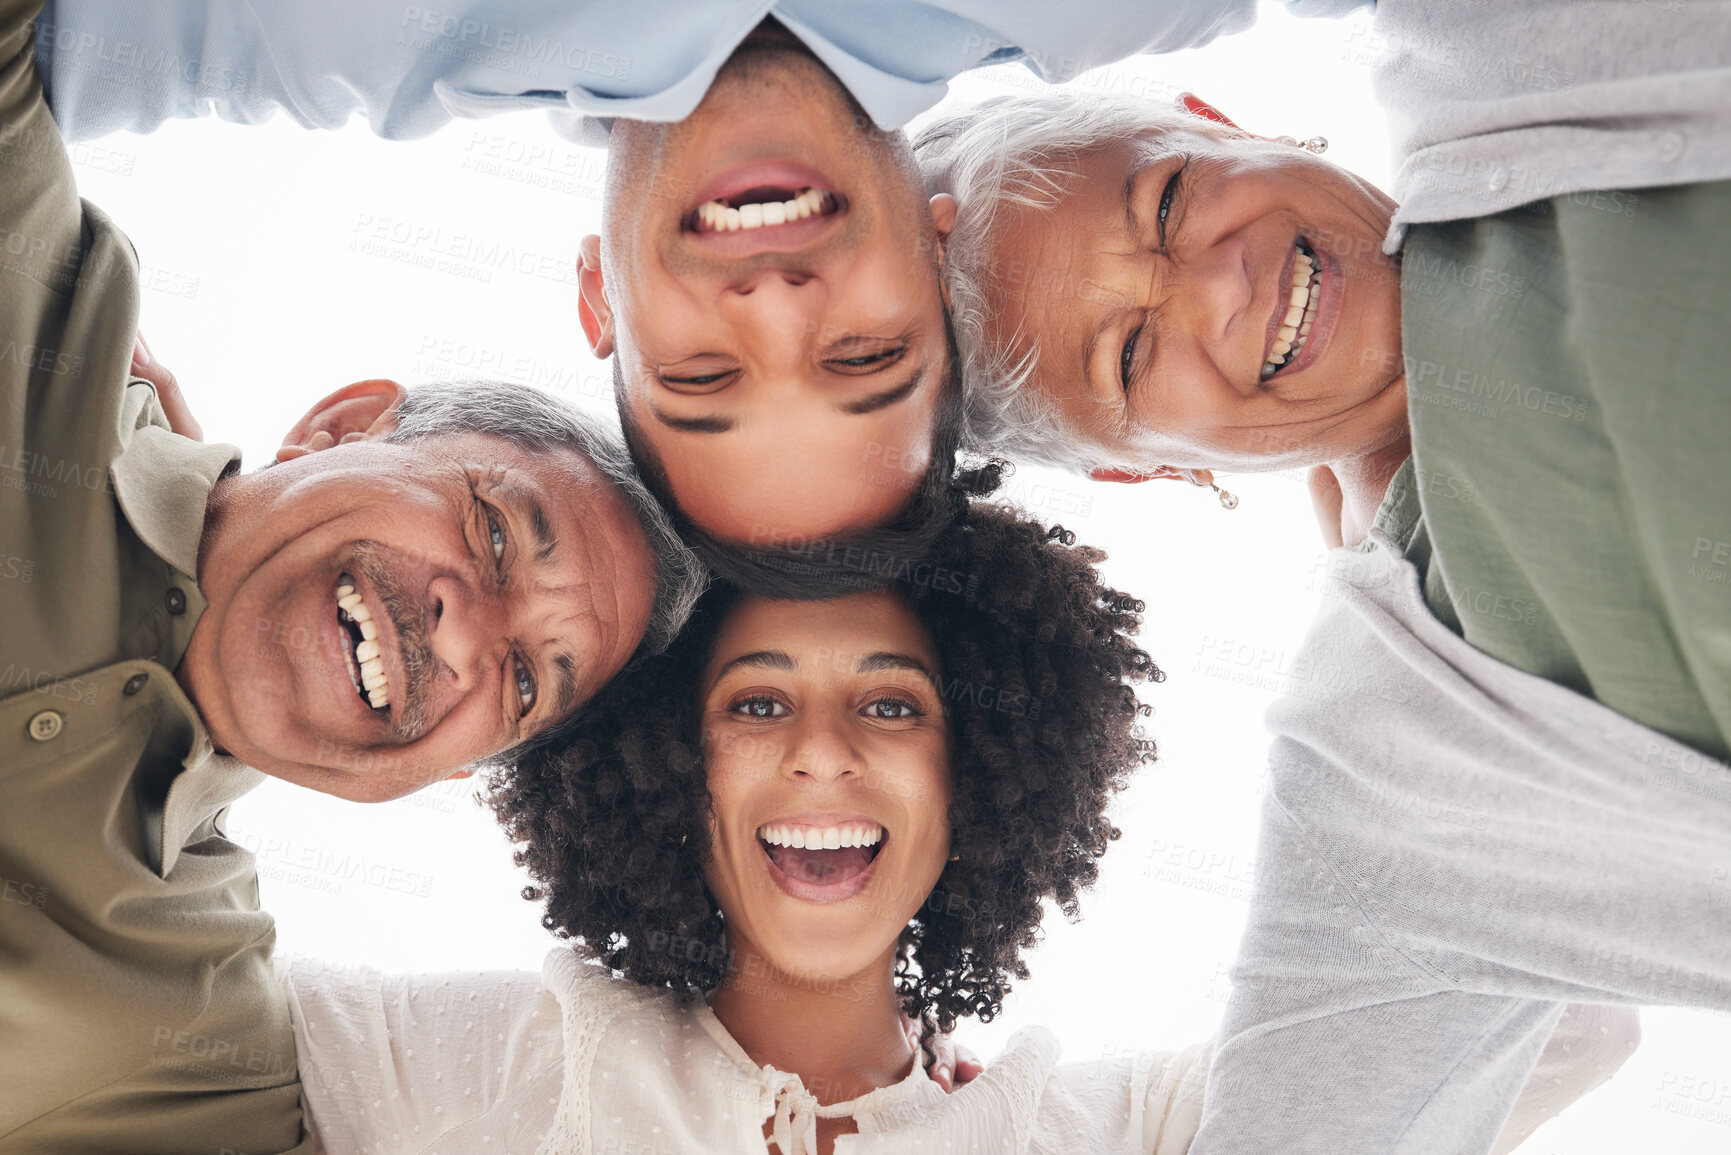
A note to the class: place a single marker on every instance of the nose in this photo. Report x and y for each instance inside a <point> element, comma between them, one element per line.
<point>778,309</point>
<point>821,752</point>
<point>466,631</point>
<point>1217,291</point>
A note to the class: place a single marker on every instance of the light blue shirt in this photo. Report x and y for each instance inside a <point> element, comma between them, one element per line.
<point>122,64</point>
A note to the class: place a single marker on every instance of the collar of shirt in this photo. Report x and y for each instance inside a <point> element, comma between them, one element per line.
<point>163,481</point>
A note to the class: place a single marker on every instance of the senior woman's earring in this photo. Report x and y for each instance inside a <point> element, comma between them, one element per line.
<point>1316,144</point>
<point>1201,478</point>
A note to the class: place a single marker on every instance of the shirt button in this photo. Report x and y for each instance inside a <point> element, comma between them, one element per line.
<point>176,600</point>
<point>46,725</point>
<point>134,684</point>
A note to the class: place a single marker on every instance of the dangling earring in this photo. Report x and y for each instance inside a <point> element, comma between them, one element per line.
<point>1227,500</point>
<point>1316,145</point>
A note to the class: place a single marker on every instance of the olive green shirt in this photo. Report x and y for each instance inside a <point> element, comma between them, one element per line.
<point>138,1009</point>
<point>1568,500</point>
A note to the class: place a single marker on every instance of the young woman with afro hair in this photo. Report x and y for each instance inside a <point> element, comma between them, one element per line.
<point>791,852</point>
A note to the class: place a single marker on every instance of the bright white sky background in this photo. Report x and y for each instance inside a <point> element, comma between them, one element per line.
<point>281,264</point>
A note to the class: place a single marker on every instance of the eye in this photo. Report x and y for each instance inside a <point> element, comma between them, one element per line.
<point>700,380</point>
<point>892,708</point>
<point>1167,196</point>
<point>495,532</point>
<point>1128,356</point>
<point>525,679</point>
<point>759,706</point>
<point>869,360</point>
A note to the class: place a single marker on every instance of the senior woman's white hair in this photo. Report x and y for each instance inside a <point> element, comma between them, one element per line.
<point>1015,150</point>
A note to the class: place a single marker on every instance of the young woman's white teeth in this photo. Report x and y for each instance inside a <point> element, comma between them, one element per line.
<point>774,213</point>
<point>750,216</point>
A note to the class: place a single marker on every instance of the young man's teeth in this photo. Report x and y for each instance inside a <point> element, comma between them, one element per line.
<point>372,664</point>
<point>821,838</point>
<point>1300,313</point>
<point>718,217</point>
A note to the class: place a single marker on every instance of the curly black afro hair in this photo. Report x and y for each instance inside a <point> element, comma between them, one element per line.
<point>1037,672</point>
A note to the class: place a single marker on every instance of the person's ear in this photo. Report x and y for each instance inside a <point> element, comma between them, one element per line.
<point>357,412</point>
<point>1192,103</point>
<point>1133,476</point>
<point>593,311</point>
<point>944,213</point>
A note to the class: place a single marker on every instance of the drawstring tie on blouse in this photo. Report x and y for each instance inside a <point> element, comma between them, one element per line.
<point>797,1112</point>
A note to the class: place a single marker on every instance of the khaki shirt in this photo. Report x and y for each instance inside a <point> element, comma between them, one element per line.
<point>138,1009</point>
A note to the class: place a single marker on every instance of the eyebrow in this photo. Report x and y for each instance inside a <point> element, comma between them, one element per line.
<point>565,700</point>
<point>762,660</point>
<point>1088,349</point>
<point>545,542</point>
<point>692,424</point>
<point>884,660</point>
<point>529,506</point>
<point>1134,228</point>
<point>890,396</point>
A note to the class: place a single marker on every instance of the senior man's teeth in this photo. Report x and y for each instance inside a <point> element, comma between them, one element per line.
<point>1300,312</point>
<point>717,216</point>
<point>372,664</point>
<point>822,837</point>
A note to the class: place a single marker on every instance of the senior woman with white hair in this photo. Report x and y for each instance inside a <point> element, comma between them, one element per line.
<point>1517,416</point>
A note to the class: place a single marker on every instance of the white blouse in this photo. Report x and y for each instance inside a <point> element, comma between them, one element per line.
<point>578,1061</point>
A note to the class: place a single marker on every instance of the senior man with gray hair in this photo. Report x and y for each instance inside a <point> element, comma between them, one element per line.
<point>425,578</point>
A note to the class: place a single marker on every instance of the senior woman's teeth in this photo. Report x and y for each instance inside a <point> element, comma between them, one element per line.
<point>822,837</point>
<point>1300,311</point>
<point>718,216</point>
<point>369,673</point>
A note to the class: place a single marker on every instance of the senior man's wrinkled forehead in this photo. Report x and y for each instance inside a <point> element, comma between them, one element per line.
<point>402,596</point>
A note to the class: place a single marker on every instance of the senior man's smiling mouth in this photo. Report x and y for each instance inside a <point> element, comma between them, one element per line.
<point>365,663</point>
<point>388,659</point>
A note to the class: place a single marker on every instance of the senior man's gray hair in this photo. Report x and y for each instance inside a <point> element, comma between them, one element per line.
<point>1015,150</point>
<point>535,420</point>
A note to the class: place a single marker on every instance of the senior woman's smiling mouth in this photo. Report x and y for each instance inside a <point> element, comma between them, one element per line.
<point>1296,296</point>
